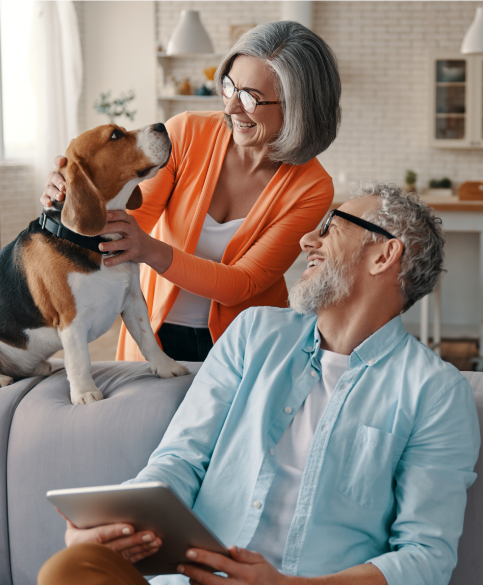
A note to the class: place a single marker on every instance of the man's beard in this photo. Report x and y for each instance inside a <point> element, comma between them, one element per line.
<point>330,285</point>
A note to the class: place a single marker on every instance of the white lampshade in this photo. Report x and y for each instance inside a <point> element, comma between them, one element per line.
<point>189,36</point>
<point>299,10</point>
<point>473,41</point>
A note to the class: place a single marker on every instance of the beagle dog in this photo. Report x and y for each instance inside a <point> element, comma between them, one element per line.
<point>54,288</point>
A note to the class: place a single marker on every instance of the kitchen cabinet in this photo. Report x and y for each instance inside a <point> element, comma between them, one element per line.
<point>456,100</point>
<point>181,67</point>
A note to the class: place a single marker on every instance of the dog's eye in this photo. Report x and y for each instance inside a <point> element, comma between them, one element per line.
<point>116,135</point>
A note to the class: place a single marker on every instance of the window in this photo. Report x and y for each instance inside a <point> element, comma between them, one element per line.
<point>18,99</point>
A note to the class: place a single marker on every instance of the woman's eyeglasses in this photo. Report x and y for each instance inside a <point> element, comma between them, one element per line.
<point>367,225</point>
<point>246,100</point>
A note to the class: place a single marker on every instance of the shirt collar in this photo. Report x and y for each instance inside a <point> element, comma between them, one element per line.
<point>379,344</point>
<point>372,349</point>
<point>312,345</point>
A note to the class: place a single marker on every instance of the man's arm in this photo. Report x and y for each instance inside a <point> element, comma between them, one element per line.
<point>250,568</point>
<point>183,456</point>
<point>432,476</point>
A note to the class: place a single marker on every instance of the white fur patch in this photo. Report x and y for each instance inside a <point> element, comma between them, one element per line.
<point>156,145</point>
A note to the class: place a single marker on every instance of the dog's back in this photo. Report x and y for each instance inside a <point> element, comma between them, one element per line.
<point>35,296</point>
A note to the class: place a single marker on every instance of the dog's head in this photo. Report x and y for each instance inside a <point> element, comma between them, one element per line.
<point>103,170</point>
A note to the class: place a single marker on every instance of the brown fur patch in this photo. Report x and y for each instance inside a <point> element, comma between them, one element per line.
<point>103,167</point>
<point>136,199</point>
<point>46,270</point>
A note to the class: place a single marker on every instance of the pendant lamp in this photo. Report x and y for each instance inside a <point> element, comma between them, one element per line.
<point>473,41</point>
<point>189,36</point>
<point>299,10</point>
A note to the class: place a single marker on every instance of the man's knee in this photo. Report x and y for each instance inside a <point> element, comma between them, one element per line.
<point>70,562</point>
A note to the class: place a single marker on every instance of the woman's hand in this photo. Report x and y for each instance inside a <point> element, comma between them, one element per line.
<point>54,189</point>
<point>243,568</point>
<point>136,244</point>
<point>121,538</point>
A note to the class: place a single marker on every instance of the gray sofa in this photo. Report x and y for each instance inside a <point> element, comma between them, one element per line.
<point>46,443</point>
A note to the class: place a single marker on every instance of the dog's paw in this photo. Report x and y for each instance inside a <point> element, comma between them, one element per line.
<point>86,397</point>
<point>44,369</point>
<point>167,368</point>
<point>5,381</point>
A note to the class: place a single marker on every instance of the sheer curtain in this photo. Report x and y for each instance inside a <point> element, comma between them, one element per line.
<point>56,70</point>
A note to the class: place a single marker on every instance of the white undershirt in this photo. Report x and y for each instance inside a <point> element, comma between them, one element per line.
<point>189,309</point>
<point>291,452</point>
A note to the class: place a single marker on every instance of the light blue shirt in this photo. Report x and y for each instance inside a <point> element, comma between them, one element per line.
<point>390,462</point>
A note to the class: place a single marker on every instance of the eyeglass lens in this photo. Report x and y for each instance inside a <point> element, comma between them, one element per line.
<point>325,226</point>
<point>248,102</point>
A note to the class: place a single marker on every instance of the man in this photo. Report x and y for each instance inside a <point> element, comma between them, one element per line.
<point>323,436</point>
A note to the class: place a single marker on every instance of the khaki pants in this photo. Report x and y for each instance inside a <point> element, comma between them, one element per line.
<point>89,564</point>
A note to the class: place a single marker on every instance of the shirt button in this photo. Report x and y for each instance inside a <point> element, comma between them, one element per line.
<point>272,451</point>
<point>370,362</point>
<point>310,348</point>
<point>314,374</point>
<point>257,504</point>
<point>287,410</point>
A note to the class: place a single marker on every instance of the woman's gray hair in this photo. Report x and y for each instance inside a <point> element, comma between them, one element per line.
<point>408,218</point>
<point>307,84</point>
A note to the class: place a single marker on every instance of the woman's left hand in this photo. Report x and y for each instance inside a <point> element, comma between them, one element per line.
<point>136,245</point>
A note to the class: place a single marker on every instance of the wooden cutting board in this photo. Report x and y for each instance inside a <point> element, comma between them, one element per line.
<point>471,191</point>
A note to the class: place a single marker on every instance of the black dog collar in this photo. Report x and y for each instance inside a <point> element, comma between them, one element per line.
<point>59,230</point>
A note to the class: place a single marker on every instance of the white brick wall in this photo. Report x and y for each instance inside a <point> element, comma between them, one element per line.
<point>17,204</point>
<point>381,49</point>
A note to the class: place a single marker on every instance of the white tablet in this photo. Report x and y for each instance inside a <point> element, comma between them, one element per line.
<point>146,506</point>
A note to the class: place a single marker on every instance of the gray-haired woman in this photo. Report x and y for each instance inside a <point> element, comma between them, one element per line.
<point>241,188</point>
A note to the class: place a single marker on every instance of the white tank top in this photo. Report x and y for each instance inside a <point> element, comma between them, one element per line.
<point>189,309</point>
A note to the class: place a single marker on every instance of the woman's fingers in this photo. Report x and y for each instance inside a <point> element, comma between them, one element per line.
<point>54,189</point>
<point>60,161</point>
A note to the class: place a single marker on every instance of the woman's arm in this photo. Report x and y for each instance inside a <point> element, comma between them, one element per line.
<point>266,260</point>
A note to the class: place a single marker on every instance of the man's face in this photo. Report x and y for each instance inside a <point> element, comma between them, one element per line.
<point>334,261</point>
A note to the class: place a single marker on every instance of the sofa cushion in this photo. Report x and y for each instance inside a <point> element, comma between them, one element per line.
<point>54,445</point>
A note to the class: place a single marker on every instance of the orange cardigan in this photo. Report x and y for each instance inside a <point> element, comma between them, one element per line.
<point>175,203</point>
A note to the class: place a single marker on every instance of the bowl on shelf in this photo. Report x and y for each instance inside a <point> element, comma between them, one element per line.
<point>451,71</point>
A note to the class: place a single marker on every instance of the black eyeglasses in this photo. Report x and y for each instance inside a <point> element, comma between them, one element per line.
<point>247,101</point>
<point>367,225</point>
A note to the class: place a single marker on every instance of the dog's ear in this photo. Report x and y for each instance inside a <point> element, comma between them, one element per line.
<point>136,199</point>
<point>84,210</point>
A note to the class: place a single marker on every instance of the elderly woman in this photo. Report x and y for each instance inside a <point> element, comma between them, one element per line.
<point>241,188</point>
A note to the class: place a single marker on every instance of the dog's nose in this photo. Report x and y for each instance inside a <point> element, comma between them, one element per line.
<point>159,127</point>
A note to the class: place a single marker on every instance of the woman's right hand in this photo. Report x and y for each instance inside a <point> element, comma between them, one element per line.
<point>121,538</point>
<point>54,189</point>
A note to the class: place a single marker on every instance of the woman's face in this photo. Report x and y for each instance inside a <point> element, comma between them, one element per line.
<point>261,127</point>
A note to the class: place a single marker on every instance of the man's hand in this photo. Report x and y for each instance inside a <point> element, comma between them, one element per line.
<point>137,245</point>
<point>121,538</point>
<point>243,568</point>
<point>54,189</point>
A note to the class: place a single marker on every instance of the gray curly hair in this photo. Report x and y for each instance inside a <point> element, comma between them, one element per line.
<point>408,218</point>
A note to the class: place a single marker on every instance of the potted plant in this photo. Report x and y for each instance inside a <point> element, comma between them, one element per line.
<point>115,108</point>
<point>411,178</point>
<point>440,187</point>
